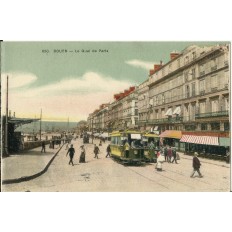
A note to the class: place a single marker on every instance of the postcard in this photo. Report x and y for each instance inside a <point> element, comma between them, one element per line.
<point>115,116</point>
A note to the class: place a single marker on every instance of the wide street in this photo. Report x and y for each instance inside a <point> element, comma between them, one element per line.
<point>106,175</point>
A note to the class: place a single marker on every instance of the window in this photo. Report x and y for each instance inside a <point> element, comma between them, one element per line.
<point>226,126</point>
<point>202,69</point>
<point>190,127</point>
<point>214,105</point>
<point>227,104</point>
<point>202,86</point>
<point>202,107</point>
<point>194,55</point>
<point>163,98</point>
<point>187,91</point>
<point>186,75</point>
<point>213,65</point>
<point>193,73</point>
<point>213,82</point>
<point>136,111</point>
<point>193,89</point>
<point>215,126</point>
<point>204,126</point>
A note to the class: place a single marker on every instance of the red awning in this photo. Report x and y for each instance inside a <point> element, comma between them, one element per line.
<point>208,140</point>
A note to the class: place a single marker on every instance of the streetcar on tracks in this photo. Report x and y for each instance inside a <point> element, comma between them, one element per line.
<point>126,147</point>
<point>151,144</point>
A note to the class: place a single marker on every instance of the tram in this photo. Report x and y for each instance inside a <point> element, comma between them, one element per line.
<point>150,152</point>
<point>127,147</point>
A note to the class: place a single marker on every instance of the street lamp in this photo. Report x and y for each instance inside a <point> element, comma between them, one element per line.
<point>92,130</point>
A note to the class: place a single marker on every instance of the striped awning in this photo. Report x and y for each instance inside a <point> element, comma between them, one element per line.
<point>208,140</point>
<point>171,134</point>
<point>169,112</point>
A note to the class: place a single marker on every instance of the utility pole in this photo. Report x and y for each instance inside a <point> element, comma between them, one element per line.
<point>40,125</point>
<point>6,125</point>
<point>92,130</point>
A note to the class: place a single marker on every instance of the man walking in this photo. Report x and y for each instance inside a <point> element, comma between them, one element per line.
<point>108,150</point>
<point>71,152</point>
<point>43,147</point>
<point>196,165</point>
<point>169,154</point>
<point>96,151</point>
<point>174,155</point>
<point>166,153</point>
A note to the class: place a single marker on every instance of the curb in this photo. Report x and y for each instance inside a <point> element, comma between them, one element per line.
<point>27,178</point>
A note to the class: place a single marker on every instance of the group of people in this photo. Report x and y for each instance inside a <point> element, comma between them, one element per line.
<point>96,151</point>
<point>166,154</point>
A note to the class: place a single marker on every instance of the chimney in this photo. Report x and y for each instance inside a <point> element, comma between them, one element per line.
<point>14,114</point>
<point>157,67</point>
<point>174,54</point>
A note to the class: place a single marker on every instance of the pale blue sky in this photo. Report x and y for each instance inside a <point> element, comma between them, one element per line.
<point>74,83</point>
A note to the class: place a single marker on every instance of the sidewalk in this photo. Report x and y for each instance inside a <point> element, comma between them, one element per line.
<point>27,163</point>
<point>204,160</point>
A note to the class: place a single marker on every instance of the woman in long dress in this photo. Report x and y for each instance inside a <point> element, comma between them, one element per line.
<point>82,156</point>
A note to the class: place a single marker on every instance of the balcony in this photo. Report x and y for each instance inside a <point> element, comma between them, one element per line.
<point>214,68</point>
<point>202,73</point>
<point>214,89</point>
<point>165,120</point>
<point>213,114</point>
<point>202,92</point>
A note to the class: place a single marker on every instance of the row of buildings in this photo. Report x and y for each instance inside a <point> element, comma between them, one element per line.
<point>188,93</point>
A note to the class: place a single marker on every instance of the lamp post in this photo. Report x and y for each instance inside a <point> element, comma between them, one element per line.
<point>92,130</point>
<point>6,125</point>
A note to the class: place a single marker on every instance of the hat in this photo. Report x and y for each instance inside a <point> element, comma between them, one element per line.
<point>195,154</point>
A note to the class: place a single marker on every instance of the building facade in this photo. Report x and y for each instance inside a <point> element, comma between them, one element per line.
<point>191,91</point>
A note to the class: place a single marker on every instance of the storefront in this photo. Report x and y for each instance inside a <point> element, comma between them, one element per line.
<point>211,143</point>
<point>172,138</point>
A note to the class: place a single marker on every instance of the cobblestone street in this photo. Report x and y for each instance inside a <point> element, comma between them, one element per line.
<point>106,175</point>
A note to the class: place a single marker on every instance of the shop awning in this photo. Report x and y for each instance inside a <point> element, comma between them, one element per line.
<point>208,140</point>
<point>169,112</point>
<point>151,135</point>
<point>177,110</point>
<point>171,134</point>
<point>224,142</point>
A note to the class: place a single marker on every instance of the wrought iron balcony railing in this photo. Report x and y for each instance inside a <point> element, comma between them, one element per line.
<point>213,114</point>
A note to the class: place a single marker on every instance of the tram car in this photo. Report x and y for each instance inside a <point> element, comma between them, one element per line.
<point>127,147</point>
<point>151,144</point>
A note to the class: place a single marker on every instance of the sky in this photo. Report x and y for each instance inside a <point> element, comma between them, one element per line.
<point>69,80</point>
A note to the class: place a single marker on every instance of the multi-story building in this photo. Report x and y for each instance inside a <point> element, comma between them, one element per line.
<point>191,91</point>
<point>120,114</point>
<point>130,110</point>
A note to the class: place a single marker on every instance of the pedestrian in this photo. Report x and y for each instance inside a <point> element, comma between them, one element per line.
<point>82,156</point>
<point>196,165</point>
<point>100,143</point>
<point>174,155</point>
<point>127,148</point>
<point>96,151</point>
<point>166,153</point>
<point>108,150</point>
<point>169,154</point>
<point>160,160</point>
<point>43,146</point>
<point>53,144</point>
<point>71,152</point>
